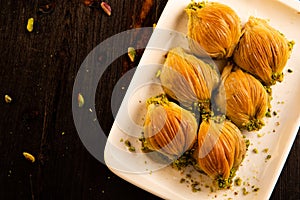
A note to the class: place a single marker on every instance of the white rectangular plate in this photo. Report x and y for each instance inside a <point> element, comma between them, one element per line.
<point>277,136</point>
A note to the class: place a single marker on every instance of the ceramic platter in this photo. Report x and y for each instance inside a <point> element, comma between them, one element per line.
<point>155,176</point>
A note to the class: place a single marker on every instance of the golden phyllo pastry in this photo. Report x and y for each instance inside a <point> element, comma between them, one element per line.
<point>262,51</point>
<point>214,29</point>
<point>168,128</point>
<point>188,79</point>
<point>221,149</point>
<point>243,97</point>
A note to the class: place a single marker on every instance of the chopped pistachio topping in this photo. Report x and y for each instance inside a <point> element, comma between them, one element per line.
<point>196,5</point>
<point>158,100</point>
<point>130,147</point>
<point>226,183</point>
<point>254,125</point>
<point>7,99</point>
<point>222,183</point>
<point>80,100</point>
<point>29,156</point>
<point>255,150</point>
<point>185,160</point>
<point>238,181</point>
<point>182,180</point>
<point>268,89</point>
<point>291,45</point>
<point>277,77</point>
<point>131,54</point>
<point>245,192</point>
<point>145,145</point>
<point>247,143</point>
<point>268,114</point>
<point>266,150</point>
<point>157,75</point>
<point>30,23</point>
<point>195,186</point>
<point>127,143</point>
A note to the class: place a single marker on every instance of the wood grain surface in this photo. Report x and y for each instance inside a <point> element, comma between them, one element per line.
<point>38,69</point>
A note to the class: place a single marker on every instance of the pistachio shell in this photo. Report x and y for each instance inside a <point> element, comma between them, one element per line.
<point>246,100</point>
<point>262,51</point>
<point>214,29</point>
<point>221,150</point>
<point>187,78</point>
<point>168,128</point>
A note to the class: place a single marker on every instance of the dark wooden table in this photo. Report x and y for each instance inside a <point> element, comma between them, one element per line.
<point>38,69</point>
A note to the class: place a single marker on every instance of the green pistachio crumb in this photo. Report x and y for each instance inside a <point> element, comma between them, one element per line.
<point>277,77</point>
<point>196,5</point>
<point>7,99</point>
<point>268,114</point>
<point>268,89</point>
<point>80,100</point>
<point>195,187</point>
<point>127,143</point>
<point>185,160</point>
<point>254,125</point>
<point>30,23</point>
<point>291,45</point>
<point>247,143</point>
<point>255,150</point>
<point>238,181</point>
<point>245,192</point>
<point>132,149</point>
<point>131,54</point>
<point>259,135</point>
<point>265,150</point>
<point>157,75</point>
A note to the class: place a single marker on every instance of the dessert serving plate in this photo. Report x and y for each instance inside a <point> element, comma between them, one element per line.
<point>261,168</point>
